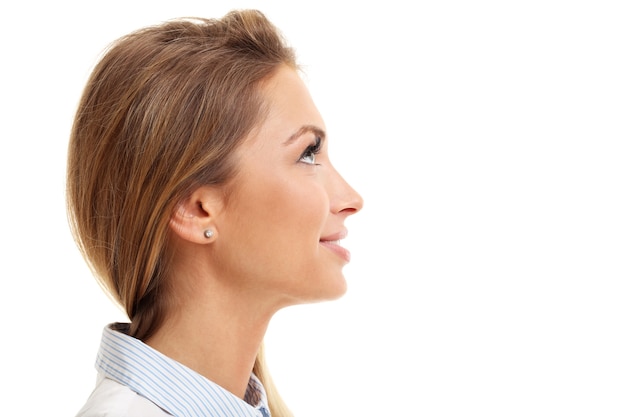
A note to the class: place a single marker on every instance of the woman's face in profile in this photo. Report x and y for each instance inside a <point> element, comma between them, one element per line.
<point>287,204</point>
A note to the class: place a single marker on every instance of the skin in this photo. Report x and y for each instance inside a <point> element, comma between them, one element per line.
<point>275,226</point>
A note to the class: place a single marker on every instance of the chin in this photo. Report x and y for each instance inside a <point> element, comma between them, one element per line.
<point>333,290</point>
<point>329,289</point>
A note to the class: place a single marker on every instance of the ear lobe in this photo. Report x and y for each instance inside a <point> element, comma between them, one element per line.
<point>195,215</point>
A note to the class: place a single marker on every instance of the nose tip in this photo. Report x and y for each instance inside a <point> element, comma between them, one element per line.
<point>351,201</point>
<point>344,198</point>
<point>357,205</point>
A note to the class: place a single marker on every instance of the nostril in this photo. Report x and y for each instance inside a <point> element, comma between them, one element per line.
<point>349,210</point>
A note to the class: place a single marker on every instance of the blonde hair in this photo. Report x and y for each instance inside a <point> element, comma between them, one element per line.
<point>161,114</point>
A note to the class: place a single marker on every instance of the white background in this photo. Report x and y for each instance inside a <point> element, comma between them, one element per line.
<point>488,140</point>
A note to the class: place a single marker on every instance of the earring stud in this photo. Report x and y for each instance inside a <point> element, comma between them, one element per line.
<point>208,233</point>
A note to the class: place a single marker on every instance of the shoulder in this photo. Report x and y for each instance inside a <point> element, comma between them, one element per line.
<point>112,399</point>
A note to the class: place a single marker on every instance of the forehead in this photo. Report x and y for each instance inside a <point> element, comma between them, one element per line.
<point>289,103</point>
<point>288,108</point>
<point>289,114</point>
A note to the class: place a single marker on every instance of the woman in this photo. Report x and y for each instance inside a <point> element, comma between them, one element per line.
<point>201,194</point>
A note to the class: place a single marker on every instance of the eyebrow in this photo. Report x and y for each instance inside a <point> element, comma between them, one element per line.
<point>306,129</point>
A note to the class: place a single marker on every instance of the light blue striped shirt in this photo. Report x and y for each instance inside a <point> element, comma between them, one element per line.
<point>167,384</point>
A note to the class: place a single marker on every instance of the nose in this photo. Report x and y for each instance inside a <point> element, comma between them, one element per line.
<point>344,198</point>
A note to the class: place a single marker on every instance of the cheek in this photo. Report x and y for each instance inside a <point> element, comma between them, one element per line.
<point>275,234</point>
<point>287,205</point>
<point>280,222</point>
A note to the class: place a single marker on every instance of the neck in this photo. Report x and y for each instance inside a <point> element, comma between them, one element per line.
<point>215,332</point>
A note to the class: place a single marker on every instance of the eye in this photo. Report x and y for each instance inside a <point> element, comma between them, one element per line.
<point>308,156</point>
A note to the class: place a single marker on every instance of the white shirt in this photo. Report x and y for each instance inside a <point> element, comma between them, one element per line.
<point>135,380</point>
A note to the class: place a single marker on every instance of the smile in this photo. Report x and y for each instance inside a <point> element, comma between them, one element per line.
<point>333,243</point>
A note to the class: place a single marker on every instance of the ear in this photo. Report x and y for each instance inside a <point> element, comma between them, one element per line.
<point>196,214</point>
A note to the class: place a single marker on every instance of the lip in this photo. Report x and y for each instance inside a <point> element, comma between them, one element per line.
<point>332,243</point>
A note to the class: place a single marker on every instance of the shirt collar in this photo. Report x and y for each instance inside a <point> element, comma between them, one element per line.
<point>172,386</point>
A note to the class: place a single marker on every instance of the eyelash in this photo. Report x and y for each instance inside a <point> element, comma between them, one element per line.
<point>313,150</point>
